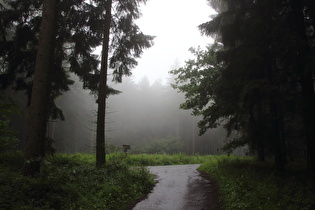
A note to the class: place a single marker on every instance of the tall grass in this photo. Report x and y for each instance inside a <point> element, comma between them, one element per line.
<point>247,184</point>
<point>71,182</point>
<point>134,159</point>
<point>157,159</point>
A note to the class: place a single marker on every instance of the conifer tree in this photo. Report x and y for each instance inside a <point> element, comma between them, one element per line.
<point>80,27</point>
<point>41,90</point>
<point>127,44</point>
<point>265,69</point>
<point>72,50</point>
<point>100,129</point>
<point>305,70</point>
<point>250,77</point>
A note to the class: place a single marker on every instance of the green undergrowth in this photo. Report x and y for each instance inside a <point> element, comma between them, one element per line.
<point>158,159</point>
<point>138,159</point>
<point>247,184</point>
<point>71,182</point>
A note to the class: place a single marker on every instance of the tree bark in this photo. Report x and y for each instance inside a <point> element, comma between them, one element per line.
<point>39,111</point>
<point>100,129</point>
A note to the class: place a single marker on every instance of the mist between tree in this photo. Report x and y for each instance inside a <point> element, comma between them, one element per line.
<point>145,116</point>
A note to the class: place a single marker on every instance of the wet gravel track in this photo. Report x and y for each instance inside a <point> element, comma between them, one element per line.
<point>180,187</point>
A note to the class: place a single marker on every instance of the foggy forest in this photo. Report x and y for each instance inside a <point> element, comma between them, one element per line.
<point>78,131</point>
<point>142,115</point>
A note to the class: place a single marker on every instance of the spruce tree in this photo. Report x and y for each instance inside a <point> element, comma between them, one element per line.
<point>38,115</point>
<point>79,30</point>
<point>100,129</point>
<point>305,69</point>
<point>127,43</point>
<point>265,69</point>
<point>72,51</point>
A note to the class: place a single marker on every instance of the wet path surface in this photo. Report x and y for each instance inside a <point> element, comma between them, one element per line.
<point>179,187</point>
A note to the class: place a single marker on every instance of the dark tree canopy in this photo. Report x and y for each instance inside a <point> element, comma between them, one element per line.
<point>263,76</point>
<point>79,30</point>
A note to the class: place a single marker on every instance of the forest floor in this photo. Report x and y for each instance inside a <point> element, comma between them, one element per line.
<point>73,182</point>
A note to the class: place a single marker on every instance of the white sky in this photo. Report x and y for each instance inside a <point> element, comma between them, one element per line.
<point>175,25</point>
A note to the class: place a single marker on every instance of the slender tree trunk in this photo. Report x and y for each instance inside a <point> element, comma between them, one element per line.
<point>307,85</point>
<point>39,111</point>
<point>100,129</point>
<point>193,137</point>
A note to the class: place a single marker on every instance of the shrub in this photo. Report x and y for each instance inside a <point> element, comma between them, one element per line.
<point>247,184</point>
<point>71,182</point>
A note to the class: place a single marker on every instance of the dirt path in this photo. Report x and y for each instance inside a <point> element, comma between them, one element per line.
<point>180,187</point>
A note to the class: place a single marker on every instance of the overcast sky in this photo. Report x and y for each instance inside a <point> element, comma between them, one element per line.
<point>175,25</point>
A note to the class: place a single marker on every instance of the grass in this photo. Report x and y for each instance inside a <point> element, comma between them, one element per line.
<point>71,182</point>
<point>157,159</point>
<point>247,184</point>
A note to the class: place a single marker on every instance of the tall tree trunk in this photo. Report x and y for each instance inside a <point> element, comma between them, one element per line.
<point>307,84</point>
<point>39,111</point>
<point>100,129</point>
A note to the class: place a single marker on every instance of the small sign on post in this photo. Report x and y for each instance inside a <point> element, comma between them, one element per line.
<point>126,147</point>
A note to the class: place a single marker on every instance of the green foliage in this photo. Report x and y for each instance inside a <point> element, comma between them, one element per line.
<point>198,79</point>
<point>110,148</point>
<point>253,78</point>
<point>8,139</point>
<point>158,159</point>
<point>12,160</point>
<point>71,182</point>
<point>129,42</point>
<point>79,31</point>
<point>247,184</point>
<point>168,145</point>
